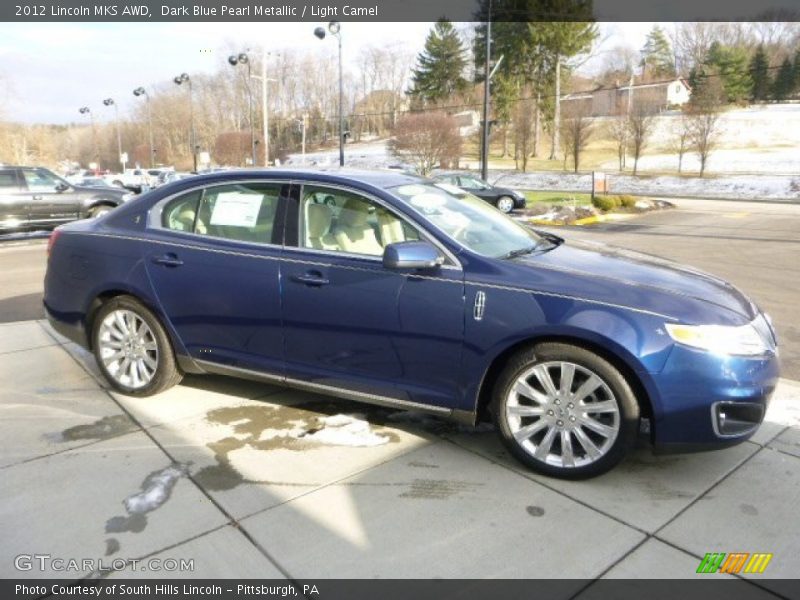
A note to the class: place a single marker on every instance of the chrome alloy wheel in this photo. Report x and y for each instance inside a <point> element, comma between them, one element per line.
<point>128,349</point>
<point>562,414</point>
<point>505,204</point>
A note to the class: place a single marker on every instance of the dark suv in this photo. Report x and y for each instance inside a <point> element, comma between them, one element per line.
<point>36,198</point>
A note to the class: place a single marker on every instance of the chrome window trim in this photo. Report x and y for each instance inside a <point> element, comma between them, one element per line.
<point>422,230</point>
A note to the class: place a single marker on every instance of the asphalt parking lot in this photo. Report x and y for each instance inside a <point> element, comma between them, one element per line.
<point>293,485</point>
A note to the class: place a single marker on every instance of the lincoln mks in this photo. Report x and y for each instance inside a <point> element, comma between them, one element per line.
<point>388,288</point>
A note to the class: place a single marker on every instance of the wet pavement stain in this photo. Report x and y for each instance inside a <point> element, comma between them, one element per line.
<point>112,546</point>
<point>748,509</point>
<point>156,489</point>
<point>102,429</point>
<point>534,511</point>
<point>269,428</point>
<point>437,489</point>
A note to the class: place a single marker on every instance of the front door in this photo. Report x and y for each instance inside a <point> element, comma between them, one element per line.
<point>213,260</point>
<point>350,323</point>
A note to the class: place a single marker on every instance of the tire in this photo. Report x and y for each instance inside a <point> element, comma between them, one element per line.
<point>99,211</point>
<point>505,204</point>
<point>153,368</point>
<point>542,429</point>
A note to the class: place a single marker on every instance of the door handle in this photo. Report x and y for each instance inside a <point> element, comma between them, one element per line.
<point>311,279</point>
<point>168,260</point>
<point>37,197</point>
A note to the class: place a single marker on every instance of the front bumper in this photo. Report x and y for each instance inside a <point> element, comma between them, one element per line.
<point>707,401</point>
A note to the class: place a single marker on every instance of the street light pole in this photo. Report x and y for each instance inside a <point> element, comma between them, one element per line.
<point>243,58</point>
<point>335,28</point>
<point>179,80</point>
<point>84,110</point>
<point>486,83</point>
<point>140,91</point>
<point>110,102</point>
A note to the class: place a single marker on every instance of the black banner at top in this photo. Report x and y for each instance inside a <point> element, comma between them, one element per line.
<point>396,10</point>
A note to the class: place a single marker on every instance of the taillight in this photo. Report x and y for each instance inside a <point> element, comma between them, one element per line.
<point>52,241</point>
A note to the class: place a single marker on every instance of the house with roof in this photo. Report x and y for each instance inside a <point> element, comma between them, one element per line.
<point>609,101</point>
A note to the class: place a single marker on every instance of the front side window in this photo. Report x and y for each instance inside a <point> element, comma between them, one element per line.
<point>243,212</point>
<point>467,219</point>
<point>472,183</point>
<point>341,221</point>
<point>40,180</point>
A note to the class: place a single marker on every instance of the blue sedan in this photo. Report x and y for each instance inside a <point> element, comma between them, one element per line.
<point>387,288</point>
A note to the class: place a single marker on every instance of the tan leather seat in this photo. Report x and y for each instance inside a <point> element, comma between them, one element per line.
<point>390,228</point>
<point>353,233</point>
<point>318,225</point>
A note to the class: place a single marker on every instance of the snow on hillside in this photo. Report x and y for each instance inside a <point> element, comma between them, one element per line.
<point>761,141</point>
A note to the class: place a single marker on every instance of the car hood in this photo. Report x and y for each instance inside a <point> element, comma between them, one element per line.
<point>616,275</point>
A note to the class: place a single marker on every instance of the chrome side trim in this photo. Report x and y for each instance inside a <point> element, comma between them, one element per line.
<point>324,388</point>
<point>480,305</point>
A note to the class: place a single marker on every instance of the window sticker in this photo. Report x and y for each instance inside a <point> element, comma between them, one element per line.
<point>236,209</point>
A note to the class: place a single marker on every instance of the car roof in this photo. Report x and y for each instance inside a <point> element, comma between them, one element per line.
<point>377,178</point>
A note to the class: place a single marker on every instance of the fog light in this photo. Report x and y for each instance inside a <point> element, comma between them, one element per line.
<point>736,419</point>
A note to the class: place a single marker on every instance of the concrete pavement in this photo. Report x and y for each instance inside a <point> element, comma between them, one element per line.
<point>251,480</point>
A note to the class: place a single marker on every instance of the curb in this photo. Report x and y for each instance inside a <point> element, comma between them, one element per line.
<point>587,220</point>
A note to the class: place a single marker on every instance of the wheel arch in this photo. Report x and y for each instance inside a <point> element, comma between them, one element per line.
<point>622,364</point>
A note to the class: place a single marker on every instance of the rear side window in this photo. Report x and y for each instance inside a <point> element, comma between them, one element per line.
<point>8,180</point>
<point>243,212</point>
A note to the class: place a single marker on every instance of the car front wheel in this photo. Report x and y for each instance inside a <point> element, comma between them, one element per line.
<point>505,204</point>
<point>132,349</point>
<point>564,411</point>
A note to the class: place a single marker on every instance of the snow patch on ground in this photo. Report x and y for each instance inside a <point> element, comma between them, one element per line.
<point>156,490</point>
<point>346,430</point>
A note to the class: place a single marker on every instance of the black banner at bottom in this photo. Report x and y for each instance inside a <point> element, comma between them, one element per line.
<point>403,589</point>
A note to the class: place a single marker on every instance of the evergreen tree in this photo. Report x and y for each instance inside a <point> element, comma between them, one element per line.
<point>759,74</point>
<point>796,69</point>
<point>784,81</point>
<point>439,73</point>
<point>731,64</point>
<point>657,58</point>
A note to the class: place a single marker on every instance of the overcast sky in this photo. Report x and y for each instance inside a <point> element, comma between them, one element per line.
<point>49,70</point>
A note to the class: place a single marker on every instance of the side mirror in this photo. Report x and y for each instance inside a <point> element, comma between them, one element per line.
<point>411,255</point>
<point>61,187</point>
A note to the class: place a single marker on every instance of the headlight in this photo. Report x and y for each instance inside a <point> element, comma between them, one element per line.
<point>518,194</point>
<point>719,339</point>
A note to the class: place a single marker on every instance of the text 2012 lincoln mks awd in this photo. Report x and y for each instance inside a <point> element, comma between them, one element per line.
<point>387,288</point>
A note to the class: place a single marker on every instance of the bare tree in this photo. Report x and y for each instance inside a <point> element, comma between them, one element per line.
<point>704,118</point>
<point>680,139</point>
<point>617,131</point>
<point>640,126</point>
<point>576,129</point>
<point>427,140</point>
<point>525,116</point>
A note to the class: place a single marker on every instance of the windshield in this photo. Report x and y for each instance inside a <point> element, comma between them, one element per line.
<point>468,220</point>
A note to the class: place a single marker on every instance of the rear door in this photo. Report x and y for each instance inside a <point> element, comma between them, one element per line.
<point>13,201</point>
<point>213,260</point>
<point>51,200</point>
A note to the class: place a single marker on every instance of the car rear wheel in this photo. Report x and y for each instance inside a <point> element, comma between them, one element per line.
<point>564,411</point>
<point>505,204</point>
<point>99,211</point>
<point>132,349</point>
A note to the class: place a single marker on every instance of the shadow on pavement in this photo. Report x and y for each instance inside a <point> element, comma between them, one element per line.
<point>27,307</point>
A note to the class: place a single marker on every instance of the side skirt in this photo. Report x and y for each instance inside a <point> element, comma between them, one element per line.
<point>329,390</point>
